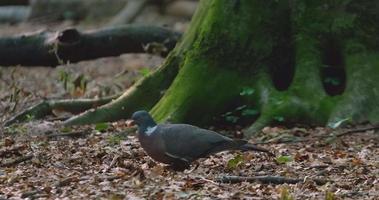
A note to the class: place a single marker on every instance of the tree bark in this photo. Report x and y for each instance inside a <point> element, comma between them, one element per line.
<point>56,48</point>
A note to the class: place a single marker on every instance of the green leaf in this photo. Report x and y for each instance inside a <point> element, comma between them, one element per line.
<point>29,117</point>
<point>227,114</point>
<point>101,126</point>
<point>338,123</point>
<point>144,71</point>
<point>66,129</point>
<point>246,91</point>
<point>249,112</point>
<point>279,118</point>
<point>333,81</point>
<point>241,107</point>
<point>283,159</point>
<point>235,162</point>
<point>329,195</point>
<point>231,118</point>
<point>115,139</point>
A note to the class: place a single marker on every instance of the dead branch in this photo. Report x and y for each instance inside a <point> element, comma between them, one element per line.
<point>16,161</point>
<point>71,134</point>
<point>70,45</point>
<point>347,132</point>
<point>69,105</point>
<point>358,130</point>
<point>265,180</point>
<point>31,193</point>
<point>67,181</point>
<point>14,14</point>
<point>14,2</point>
<point>12,150</point>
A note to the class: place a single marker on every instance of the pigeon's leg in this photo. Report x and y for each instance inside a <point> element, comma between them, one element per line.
<point>197,164</point>
<point>180,165</point>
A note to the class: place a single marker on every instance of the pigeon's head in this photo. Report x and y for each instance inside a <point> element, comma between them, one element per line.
<point>143,119</point>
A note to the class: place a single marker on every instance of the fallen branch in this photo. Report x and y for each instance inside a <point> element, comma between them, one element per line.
<point>71,134</point>
<point>14,14</point>
<point>46,107</point>
<point>30,193</point>
<point>70,45</point>
<point>12,150</point>
<point>347,132</point>
<point>17,161</point>
<point>14,2</point>
<point>66,181</point>
<point>265,180</point>
<point>358,130</point>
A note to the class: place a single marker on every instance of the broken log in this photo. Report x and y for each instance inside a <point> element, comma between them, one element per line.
<point>46,48</point>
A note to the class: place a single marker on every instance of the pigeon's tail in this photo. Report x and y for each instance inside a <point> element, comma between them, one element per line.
<point>251,147</point>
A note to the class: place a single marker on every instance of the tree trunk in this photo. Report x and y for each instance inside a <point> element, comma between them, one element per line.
<point>263,62</point>
<point>284,54</point>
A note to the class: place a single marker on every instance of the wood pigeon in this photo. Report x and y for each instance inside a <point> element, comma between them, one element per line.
<point>180,144</point>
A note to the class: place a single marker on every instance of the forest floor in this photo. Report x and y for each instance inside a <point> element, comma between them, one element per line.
<point>42,159</point>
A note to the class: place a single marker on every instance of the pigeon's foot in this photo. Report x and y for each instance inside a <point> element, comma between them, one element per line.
<point>180,166</point>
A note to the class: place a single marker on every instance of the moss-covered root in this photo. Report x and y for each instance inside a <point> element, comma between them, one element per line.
<point>360,101</point>
<point>143,95</point>
<point>46,107</point>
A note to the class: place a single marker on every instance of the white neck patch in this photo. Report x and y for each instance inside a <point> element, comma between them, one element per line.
<point>150,130</point>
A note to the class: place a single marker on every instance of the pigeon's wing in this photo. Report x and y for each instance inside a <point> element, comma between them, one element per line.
<point>190,142</point>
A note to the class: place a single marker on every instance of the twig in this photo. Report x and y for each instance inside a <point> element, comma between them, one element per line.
<point>67,181</point>
<point>29,193</point>
<point>351,131</point>
<point>17,161</point>
<point>265,180</point>
<point>357,131</point>
<point>70,134</point>
<point>114,160</point>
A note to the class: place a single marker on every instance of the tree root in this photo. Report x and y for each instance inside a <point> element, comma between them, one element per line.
<point>141,96</point>
<point>47,106</point>
<point>266,180</point>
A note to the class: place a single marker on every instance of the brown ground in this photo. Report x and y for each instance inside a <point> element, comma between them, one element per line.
<point>110,164</point>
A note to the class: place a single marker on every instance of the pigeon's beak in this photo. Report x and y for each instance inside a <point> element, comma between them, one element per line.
<point>130,123</point>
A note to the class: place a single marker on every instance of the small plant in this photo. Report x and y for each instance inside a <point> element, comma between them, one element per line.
<point>29,117</point>
<point>329,195</point>
<point>247,91</point>
<point>249,112</point>
<point>101,126</point>
<point>74,85</point>
<point>115,139</point>
<point>332,81</point>
<point>279,119</point>
<point>235,162</point>
<point>283,159</point>
<point>15,129</point>
<point>285,194</point>
<point>145,71</point>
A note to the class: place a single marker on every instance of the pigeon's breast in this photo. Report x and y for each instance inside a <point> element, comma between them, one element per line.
<point>154,148</point>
